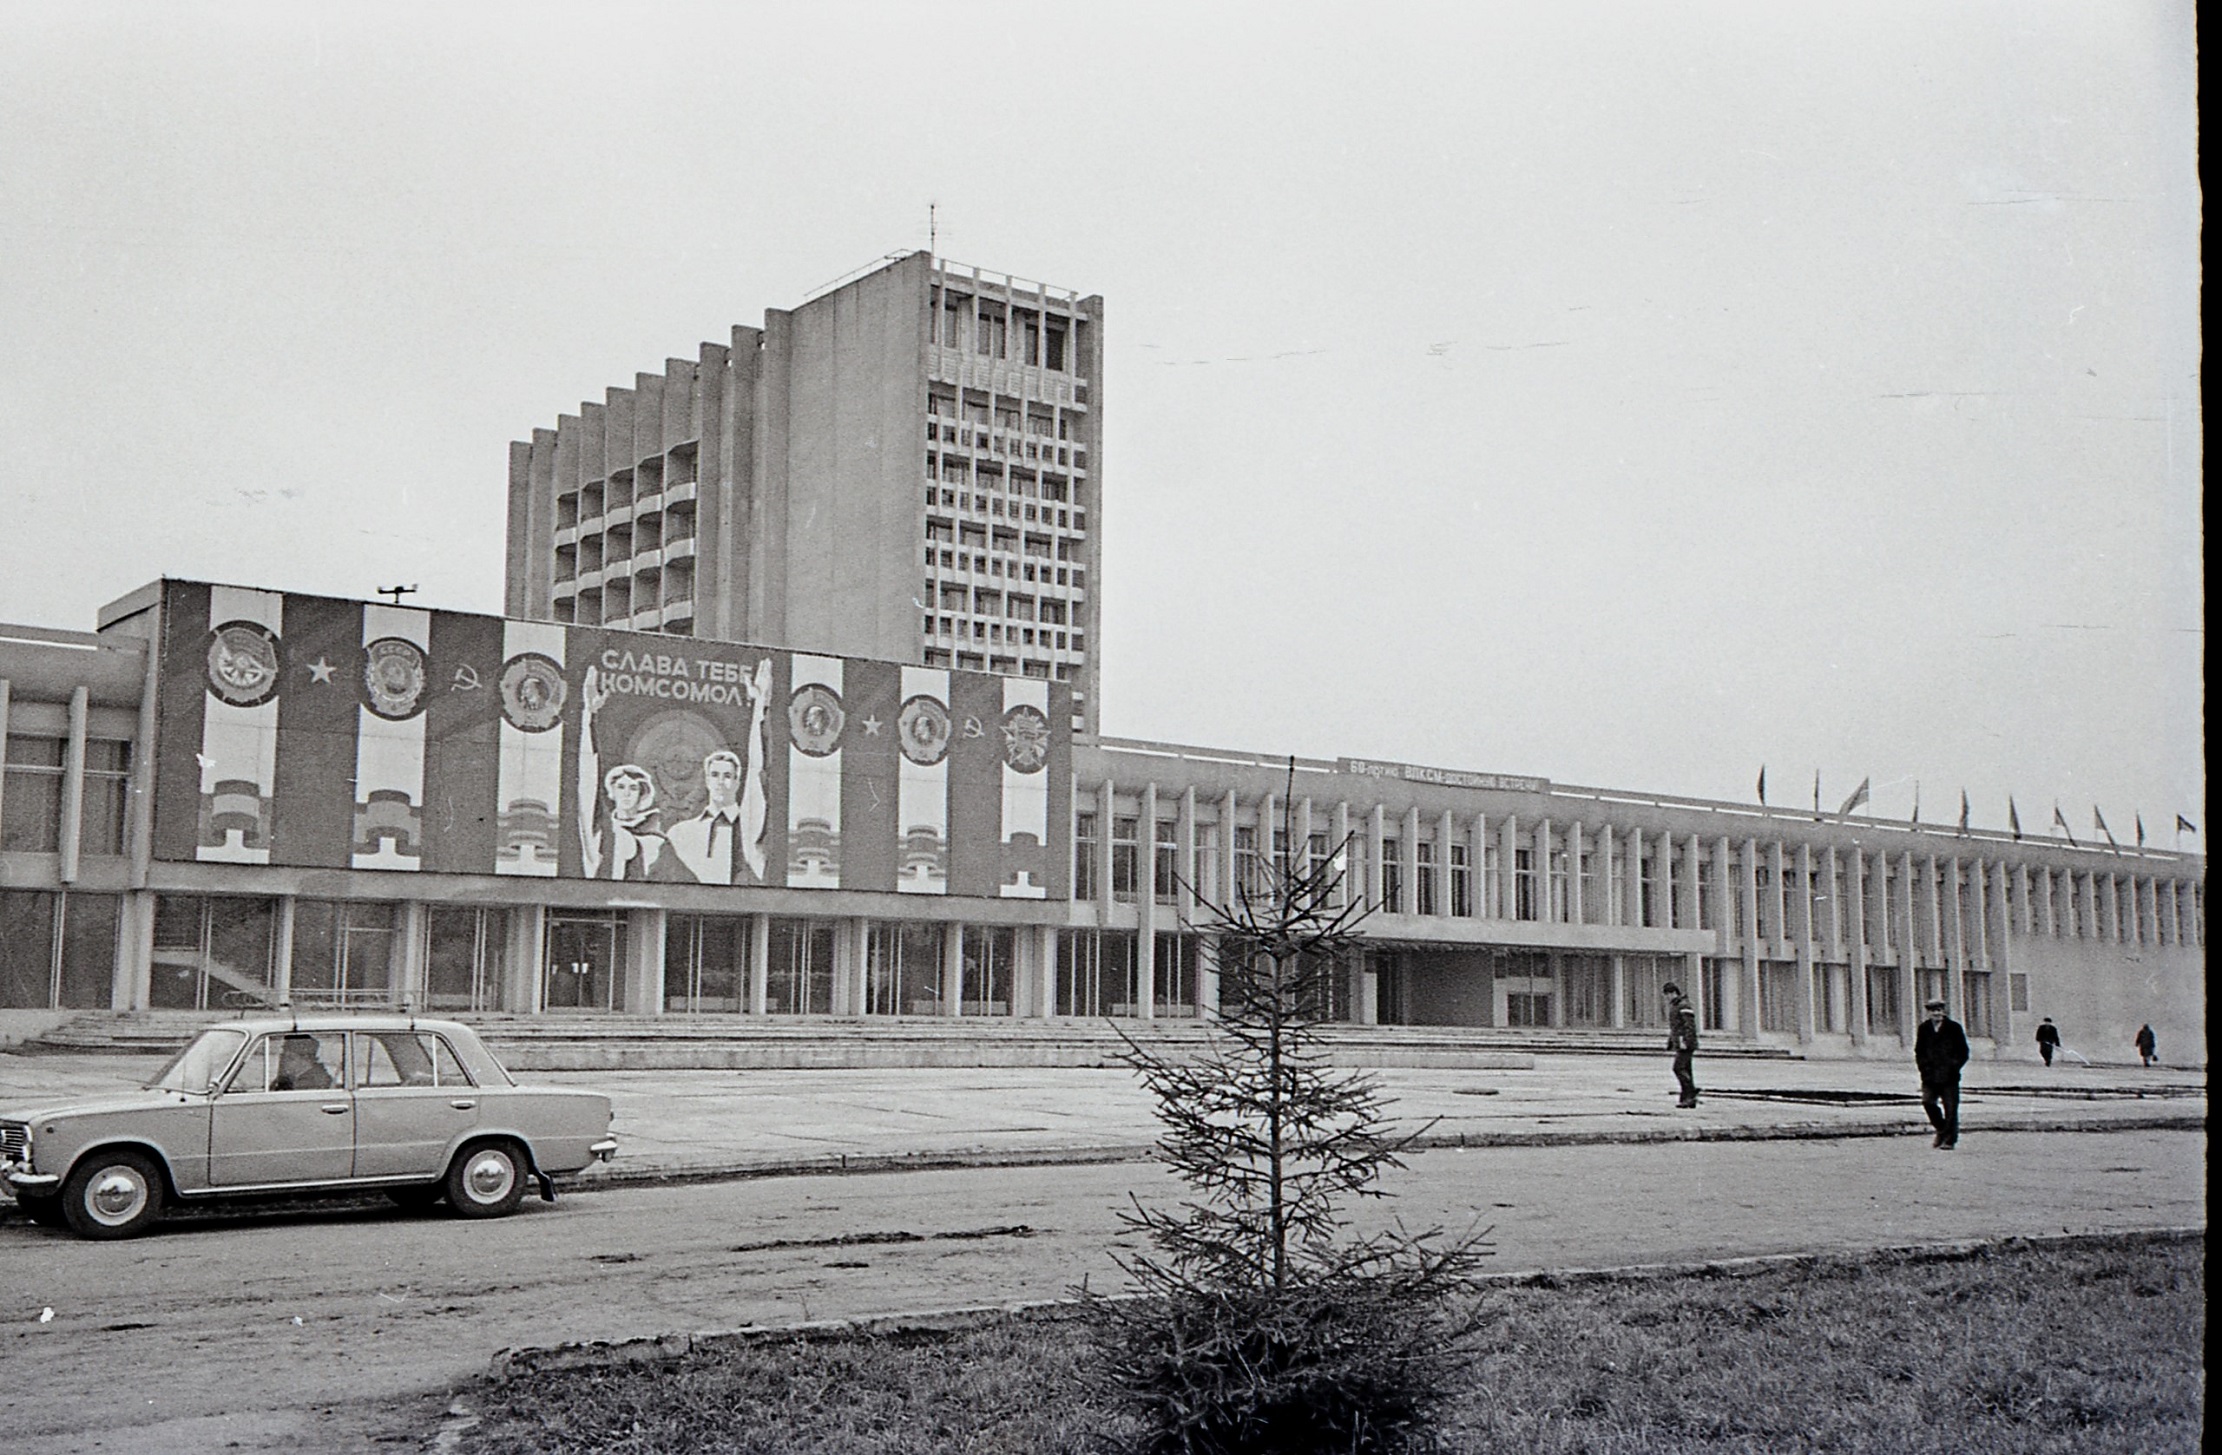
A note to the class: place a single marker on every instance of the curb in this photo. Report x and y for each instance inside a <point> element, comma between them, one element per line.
<point>513,1363</point>
<point>847,1164</point>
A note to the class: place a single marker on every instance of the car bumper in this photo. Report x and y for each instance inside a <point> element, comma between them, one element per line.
<point>21,1180</point>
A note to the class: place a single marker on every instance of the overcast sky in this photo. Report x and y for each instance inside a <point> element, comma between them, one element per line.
<point>1632,394</point>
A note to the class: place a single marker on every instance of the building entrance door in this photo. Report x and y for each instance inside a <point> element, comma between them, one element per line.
<point>584,964</point>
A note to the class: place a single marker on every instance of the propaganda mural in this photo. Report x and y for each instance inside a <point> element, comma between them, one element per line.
<point>310,731</point>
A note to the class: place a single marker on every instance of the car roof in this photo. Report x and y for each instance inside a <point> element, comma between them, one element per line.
<point>330,1021</point>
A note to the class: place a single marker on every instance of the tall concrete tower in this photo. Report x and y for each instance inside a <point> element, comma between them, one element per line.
<point>908,466</point>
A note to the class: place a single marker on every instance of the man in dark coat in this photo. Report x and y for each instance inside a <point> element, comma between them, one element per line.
<point>1939,1051</point>
<point>2147,1046</point>
<point>1682,1041</point>
<point>2048,1039</point>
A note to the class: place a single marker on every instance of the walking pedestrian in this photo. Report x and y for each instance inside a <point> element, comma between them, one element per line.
<point>2048,1039</point>
<point>1939,1051</point>
<point>2147,1046</point>
<point>1682,1041</point>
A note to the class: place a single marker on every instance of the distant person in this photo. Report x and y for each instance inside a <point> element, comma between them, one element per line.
<point>1682,1041</point>
<point>2048,1039</point>
<point>2147,1046</point>
<point>1939,1051</point>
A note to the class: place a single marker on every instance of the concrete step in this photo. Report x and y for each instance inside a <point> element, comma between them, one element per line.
<point>585,1043</point>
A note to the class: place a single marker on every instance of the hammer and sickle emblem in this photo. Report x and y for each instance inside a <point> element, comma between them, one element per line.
<point>466,679</point>
<point>972,728</point>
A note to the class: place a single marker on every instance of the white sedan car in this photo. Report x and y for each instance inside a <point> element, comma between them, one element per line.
<point>300,1105</point>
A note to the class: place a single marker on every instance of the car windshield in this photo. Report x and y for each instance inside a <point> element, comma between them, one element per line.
<point>193,1068</point>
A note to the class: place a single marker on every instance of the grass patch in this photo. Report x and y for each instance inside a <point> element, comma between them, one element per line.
<point>2011,1348</point>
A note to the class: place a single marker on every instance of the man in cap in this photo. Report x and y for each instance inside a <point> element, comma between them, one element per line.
<point>2048,1039</point>
<point>1939,1051</point>
<point>1682,1040</point>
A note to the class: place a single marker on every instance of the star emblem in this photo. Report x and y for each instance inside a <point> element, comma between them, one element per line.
<point>872,726</point>
<point>322,670</point>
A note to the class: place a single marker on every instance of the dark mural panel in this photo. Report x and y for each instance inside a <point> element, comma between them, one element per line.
<point>310,731</point>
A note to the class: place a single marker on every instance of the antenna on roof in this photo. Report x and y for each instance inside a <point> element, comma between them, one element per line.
<point>397,592</point>
<point>933,233</point>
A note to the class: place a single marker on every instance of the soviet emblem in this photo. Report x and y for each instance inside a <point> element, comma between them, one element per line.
<point>815,719</point>
<point>922,730</point>
<point>1025,739</point>
<point>243,663</point>
<point>393,677</point>
<point>532,692</point>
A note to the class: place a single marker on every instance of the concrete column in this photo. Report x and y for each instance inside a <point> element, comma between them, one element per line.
<point>1300,839</point>
<point>1269,830</point>
<point>952,967</point>
<point>859,978</point>
<point>1801,930</point>
<point>1855,945</point>
<point>1227,895</point>
<point>1618,1016</point>
<point>1185,857</point>
<point>1446,831</point>
<point>1376,837</point>
<point>281,951</point>
<point>73,784</point>
<point>1978,908</point>
<point>644,961</point>
<point>1692,857</point>
<point>1631,893</point>
<point>409,974</point>
<point>1483,887</point>
<point>759,963</point>
<point>1747,886</point>
<point>1145,938</point>
<point>1345,890</point>
<point>1955,940</point>
<point>1365,993</point>
<point>2048,920</point>
<point>1508,867</point>
<point>1909,951</point>
<point>1576,905</point>
<point>1611,908</point>
<point>1778,901</point>
<point>1207,977</point>
<point>2164,912</point>
<point>1545,912</point>
<point>524,953</point>
<point>1408,854</point>
<point>1045,971</point>
<point>1108,822</point>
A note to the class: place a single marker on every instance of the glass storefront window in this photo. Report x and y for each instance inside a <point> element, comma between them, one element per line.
<point>990,969</point>
<point>463,957</point>
<point>903,971</point>
<point>799,979</point>
<point>31,805</point>
<point>345,952</point>
<point>27,948</point>
<point>212,952</point>
<point>1096,973</point>
<point>585,964</point>
<point>706,963</point>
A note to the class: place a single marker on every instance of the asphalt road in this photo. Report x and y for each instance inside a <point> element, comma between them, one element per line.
<point>340,1329</point>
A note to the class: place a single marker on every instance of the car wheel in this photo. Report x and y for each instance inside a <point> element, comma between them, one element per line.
<point>45,1211</point>
<point>487,1180</point>
<point>112,1195</point>
<point>418,1198</point>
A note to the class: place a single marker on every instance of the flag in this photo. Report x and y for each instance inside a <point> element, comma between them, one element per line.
<point>1859,796</point>
<point>1916,800</point>
<point>2185,826</point>
<point>1816,793</point>
<point>2013,817</point>
<point>1963,810</point>
<point>2100,820</point>
<point>1762,783</point>
<point>2140,830</point>
<point>2062,820</point>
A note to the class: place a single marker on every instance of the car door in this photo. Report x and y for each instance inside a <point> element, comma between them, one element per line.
<point>412,1101</point>
<point>286,1115</point>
